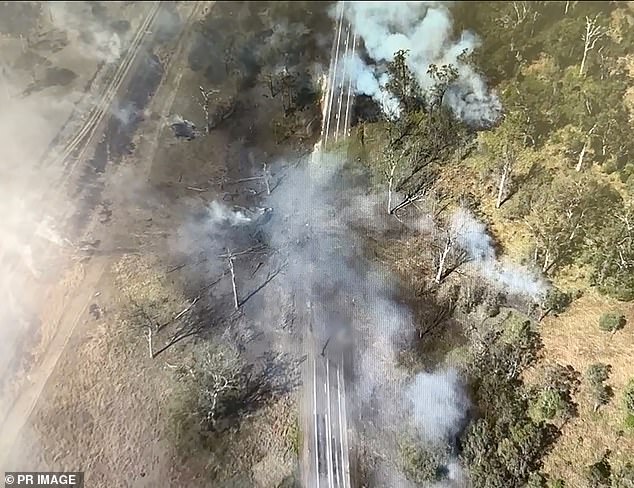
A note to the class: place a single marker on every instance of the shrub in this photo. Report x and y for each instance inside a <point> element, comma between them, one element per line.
<point>536,480</point>
<point>548,405</point>
<point>624,477</point>
<point>598,372</point>
<point>612,321</point>
<point>555,301</point>
<point>423,464</point>
<point>558,383</point>
<point>596,375</point>
<point>599,473</point>
<point>628,397</point>
<point>558,483</point>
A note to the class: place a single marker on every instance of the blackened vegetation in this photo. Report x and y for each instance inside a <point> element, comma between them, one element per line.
<point>256,58</point>
<point>255,385</point>
<point>53,76</point>
<point>365,109</point>
<point>185,129</point>
<point>116,143</point>
<point>245,37</point>
<point>252,45</point>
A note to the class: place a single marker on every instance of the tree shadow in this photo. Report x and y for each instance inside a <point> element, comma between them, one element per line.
<point>275,376</point>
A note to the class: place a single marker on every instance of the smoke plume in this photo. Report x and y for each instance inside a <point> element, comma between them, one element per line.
<point>323,230</point>
<point>510,277</point>
<point>439,404</point>
<point>425,29</point>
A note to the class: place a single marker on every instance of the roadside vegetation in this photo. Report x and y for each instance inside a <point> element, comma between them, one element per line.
<point>546,354</point>
<point>552,186</point>
<point>553,182</point>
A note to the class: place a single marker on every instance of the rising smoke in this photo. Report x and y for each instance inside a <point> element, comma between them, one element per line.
<point>509,277</point>
<point>51,52</point>
<point>89,32</point>
<point>318,227</point>
<point>425,30</point>
<point>320,222</point>
<point>439,405</point>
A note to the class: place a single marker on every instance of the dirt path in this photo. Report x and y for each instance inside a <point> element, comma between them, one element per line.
<point>81,281</point>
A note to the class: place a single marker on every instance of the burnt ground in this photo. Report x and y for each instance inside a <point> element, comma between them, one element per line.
<point>108,407</point>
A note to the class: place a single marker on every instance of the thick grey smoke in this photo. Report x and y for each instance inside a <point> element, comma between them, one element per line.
<point>425,30</point>
<point>512,278</point>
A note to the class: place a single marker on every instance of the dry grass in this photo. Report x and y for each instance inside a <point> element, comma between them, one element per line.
<point>574,338</point>
<point>105,408</point>
<point>101,409</point>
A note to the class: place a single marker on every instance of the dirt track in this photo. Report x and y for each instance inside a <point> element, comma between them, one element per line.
<point>66,302</point>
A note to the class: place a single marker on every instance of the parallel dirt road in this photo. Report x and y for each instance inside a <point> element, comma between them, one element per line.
<point>74,176</point>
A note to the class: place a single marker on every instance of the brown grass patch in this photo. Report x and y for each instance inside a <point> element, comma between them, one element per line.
<point>574,338</point>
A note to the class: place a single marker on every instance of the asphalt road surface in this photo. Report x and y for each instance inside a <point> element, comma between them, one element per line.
<point>326,450</point>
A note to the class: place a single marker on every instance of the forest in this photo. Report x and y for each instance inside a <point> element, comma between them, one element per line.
<point>513,241</point>
<point>553,182</point>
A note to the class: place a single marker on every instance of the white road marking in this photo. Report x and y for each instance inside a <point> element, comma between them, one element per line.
<point>315,418</point>
<point>331,481</point>
<point>338,456</point>
<point>346,128</point>
<point>342,80</point>
<point>334,74</point>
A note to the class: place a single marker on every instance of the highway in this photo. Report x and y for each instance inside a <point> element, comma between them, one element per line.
<point>326,458</point>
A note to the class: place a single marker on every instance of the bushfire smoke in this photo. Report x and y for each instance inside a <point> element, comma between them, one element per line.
<point>425,30</point>
<point>320,233</point>
<point>510,277</point>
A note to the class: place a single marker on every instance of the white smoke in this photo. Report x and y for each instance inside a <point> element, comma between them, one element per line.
<point>367,81</point>
<point>473,237</point>
<point>425,29</point>
<point>89,35</point>
<point>220,214</point>
<point>439,404</point>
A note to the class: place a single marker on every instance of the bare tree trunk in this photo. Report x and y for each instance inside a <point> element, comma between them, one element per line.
<point>205,103</point>
<point>149,341</point>
<point>442,260</point>
<point>390,184</point>
<point>584,149</point>
<point>507,168</point>
<point>266,179</point>
<point>581,156</point>
<point>592,34</point>
<point>502,186</point>
<point>498,201</point>
<point>546,264</point>
<point>236,303</point>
